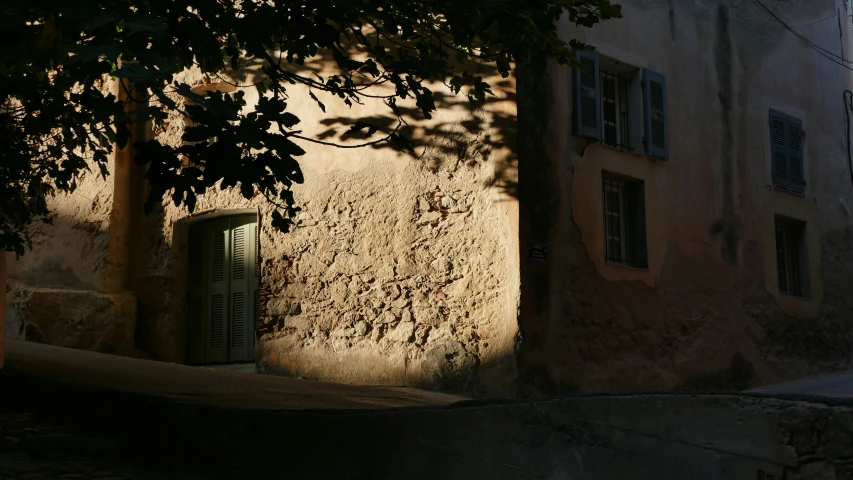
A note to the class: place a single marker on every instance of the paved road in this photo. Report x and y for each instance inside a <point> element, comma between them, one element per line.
<point>76,415</point>
<point>32,448</point>
<point>202,386</point>
<point>70,414</point>
<point>833,386</point>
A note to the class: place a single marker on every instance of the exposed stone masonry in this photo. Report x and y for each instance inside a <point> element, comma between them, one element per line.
<point>71,318</point>
<point>427,304</point>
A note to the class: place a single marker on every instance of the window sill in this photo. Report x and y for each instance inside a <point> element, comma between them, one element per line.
<point>796,297</point>
<point>626,267</point>
<point>777,188</point>
<point>634,153</point>
<point>618,148</point>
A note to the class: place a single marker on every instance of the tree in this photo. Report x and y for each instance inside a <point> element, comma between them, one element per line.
<point>56,119</point>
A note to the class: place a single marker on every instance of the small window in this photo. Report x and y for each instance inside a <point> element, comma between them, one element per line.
<point>791,257</point>
<point>624,221</point>
<point>786,152</point>
<point>620,105</point>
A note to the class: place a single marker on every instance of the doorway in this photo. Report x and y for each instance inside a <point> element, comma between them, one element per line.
<point>222,303</point>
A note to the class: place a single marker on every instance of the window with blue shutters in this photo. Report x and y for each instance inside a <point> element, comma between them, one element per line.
<point>786,152</point>
<point>620,105</point>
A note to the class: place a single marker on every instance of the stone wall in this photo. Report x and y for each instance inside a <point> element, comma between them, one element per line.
<point>707,313</point>
<point>54,290</point>
<point>401,269</point>
<point>395,277</point>
<point>71,318</point>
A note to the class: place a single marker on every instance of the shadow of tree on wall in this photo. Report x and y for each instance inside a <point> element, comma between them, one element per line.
<point>438,142</point>
<point>461,135</point>
<point>445,142</point>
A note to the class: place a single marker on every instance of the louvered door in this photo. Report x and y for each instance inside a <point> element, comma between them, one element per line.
<point>223,284</point>
<point>243,287</point>
<point>219,245</point>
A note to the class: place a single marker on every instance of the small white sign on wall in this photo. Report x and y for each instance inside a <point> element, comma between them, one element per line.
<point>537,253</point>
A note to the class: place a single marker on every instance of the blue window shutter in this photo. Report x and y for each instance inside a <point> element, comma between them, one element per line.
<point>654,112</point>
<point>795,155</point>
<point>586,92</point>
<point>779,149</point>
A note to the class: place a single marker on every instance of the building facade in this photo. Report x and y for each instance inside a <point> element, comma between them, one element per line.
<point>693,194</point>
<point>401,269</point>
<point>675,216</point>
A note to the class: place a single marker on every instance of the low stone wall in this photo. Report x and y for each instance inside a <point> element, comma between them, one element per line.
<point>80,319</point>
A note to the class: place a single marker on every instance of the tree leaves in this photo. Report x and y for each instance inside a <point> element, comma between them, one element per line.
<point>136,73</point>
<point>57,119</point>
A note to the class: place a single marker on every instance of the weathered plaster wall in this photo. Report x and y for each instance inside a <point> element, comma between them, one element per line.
<point>707,313</point>
<point>55,291</point>
<point>401,270</point>
<point>71,253</point>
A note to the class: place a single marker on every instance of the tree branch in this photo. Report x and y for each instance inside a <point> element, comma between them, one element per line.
<point>361,145</point>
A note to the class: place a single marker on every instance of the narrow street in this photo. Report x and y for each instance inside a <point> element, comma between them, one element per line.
<point>50,427</point>
<point>33,448</point>
<point>71,414</point>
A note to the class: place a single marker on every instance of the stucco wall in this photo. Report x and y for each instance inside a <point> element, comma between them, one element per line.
<point>707,312</point>
<point>71,252</point>
<point>402,270</point>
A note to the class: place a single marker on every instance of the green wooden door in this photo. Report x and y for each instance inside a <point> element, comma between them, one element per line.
<point>223,290</point>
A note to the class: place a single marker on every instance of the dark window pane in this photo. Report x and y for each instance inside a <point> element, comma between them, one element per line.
<point>609,112</point>
<point>612,226</point>
<point>610,135</point>
<point>613,201</point>
<point>608,86</point>
<point>614,249</point>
